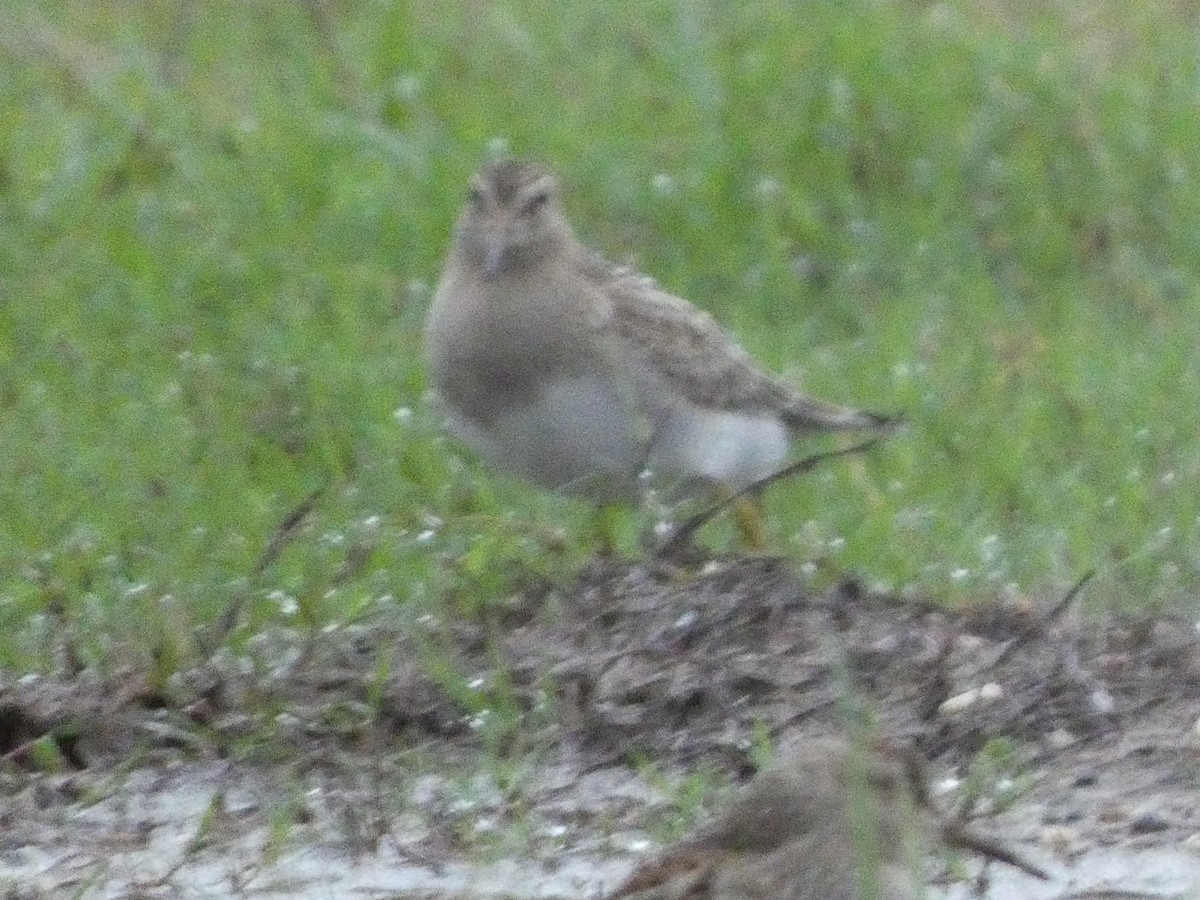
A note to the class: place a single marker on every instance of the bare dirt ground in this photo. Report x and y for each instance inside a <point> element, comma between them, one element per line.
<point>363,762</point>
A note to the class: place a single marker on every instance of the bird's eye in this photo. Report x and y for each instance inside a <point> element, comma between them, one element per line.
<point>475,198</point>
<point>536,202</point>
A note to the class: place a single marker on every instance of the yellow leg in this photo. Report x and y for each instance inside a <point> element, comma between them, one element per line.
<point>748,514</point>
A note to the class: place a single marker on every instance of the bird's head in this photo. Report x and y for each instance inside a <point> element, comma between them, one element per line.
<point>512,220</point>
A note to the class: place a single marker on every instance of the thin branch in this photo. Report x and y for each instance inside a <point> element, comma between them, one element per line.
<point>680,537</point>
<point>1049,619</point>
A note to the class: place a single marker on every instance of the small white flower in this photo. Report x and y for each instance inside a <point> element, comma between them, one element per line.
<point>946,785</point>
<point>989,548</point>
<point>478,720</point>
<point>768,187</point>
<point>287,604</point>
<point>407,86</point>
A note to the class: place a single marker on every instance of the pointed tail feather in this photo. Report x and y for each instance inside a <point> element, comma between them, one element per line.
<point>804,414</point>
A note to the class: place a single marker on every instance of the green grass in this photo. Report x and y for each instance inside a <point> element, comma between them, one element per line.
<point>220,227</point>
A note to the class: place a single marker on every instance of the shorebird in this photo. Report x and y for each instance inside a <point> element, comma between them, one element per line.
<point>579,375</point>
<point>829,820</point>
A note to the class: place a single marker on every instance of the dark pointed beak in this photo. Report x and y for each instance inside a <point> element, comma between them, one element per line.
<point>493,261</point>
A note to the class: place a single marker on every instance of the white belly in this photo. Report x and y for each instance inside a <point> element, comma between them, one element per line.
<point>730,448</point>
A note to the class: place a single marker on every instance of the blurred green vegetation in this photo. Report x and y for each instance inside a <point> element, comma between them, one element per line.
<point>220,225</point>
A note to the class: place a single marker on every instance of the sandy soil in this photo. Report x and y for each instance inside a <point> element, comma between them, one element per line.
<point>338,766</point>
